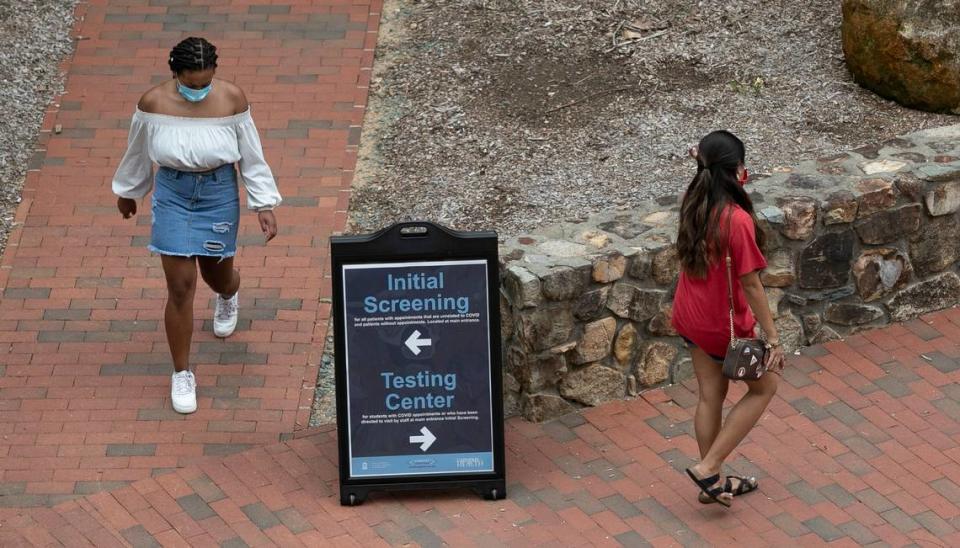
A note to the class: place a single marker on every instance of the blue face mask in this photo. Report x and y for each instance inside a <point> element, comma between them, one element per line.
<point>194,95</point>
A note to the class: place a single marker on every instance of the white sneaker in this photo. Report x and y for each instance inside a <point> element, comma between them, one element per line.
<point>225,317</point>
<point>183,392</point>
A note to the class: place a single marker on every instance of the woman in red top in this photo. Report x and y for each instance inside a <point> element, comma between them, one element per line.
<point>716,217</point>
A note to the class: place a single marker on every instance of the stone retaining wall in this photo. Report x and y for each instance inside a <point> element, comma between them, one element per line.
<point>857,240</point>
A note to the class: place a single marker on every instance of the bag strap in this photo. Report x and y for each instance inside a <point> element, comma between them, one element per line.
<point>730,277</point>
<point>730,294</point>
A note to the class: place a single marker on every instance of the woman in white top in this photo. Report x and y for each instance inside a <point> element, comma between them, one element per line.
<point>195,128</point>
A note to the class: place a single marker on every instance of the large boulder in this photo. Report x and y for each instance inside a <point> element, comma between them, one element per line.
<point>905,50</point>
<point>653,364</point>
<point>936,293</point>
<point>593,385</point>
<point>541,407</point>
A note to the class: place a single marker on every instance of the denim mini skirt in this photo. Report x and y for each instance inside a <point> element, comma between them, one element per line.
<point>195,214</point>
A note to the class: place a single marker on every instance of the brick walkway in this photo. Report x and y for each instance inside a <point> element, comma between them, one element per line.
<point>84,365</point>
<point>860,445</point>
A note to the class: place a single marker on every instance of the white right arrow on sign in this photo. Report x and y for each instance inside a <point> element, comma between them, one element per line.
<point>426,440</point>
<point>414,342</point>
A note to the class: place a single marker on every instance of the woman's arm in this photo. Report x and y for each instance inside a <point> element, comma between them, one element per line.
<point>757,299</point>
<point>134,176</point>
<point>262,193</point>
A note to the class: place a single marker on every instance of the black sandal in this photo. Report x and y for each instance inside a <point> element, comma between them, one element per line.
<point>709,486</point>
<point>746,485</point>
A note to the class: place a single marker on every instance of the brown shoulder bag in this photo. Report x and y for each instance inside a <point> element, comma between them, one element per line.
<point>745,358</point>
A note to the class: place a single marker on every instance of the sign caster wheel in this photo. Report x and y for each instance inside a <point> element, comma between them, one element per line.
<point>351,500</point>
<point>492,495</point>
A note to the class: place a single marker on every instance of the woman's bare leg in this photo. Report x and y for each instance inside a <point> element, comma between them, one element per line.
<point>713,390</point>
<point>220,275</point>
<point>181,275</point>
<point>741,419</point>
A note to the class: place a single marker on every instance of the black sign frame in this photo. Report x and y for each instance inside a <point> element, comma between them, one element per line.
<point>418,242</point>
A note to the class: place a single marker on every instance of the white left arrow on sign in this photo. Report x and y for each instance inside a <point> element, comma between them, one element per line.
<point>426,440</point>
<point>414,342</point>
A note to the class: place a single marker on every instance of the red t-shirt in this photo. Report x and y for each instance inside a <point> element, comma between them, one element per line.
<point>700,306</point>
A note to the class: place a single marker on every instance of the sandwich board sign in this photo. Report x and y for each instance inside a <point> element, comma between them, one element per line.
<point>418,361</point>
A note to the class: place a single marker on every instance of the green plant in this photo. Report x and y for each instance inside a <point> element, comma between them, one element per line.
<point>757,86</point>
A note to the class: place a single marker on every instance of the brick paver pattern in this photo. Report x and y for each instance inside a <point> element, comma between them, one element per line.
<point>84,364</point>
<point>859,446</point>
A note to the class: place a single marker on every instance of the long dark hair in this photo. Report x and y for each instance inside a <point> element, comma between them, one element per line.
<point>700,236</point>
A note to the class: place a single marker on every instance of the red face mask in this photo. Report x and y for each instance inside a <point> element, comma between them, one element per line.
<point>744,177</point>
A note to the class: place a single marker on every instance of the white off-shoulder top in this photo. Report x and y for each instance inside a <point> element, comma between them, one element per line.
<point>195,144</point>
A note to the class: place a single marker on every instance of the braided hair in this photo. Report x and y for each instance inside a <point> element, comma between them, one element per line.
<point>193,54</point>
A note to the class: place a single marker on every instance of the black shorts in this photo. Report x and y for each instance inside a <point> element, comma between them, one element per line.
<point>691,343</point>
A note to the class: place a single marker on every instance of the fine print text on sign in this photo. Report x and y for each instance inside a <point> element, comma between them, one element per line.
<point>418,368</point>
